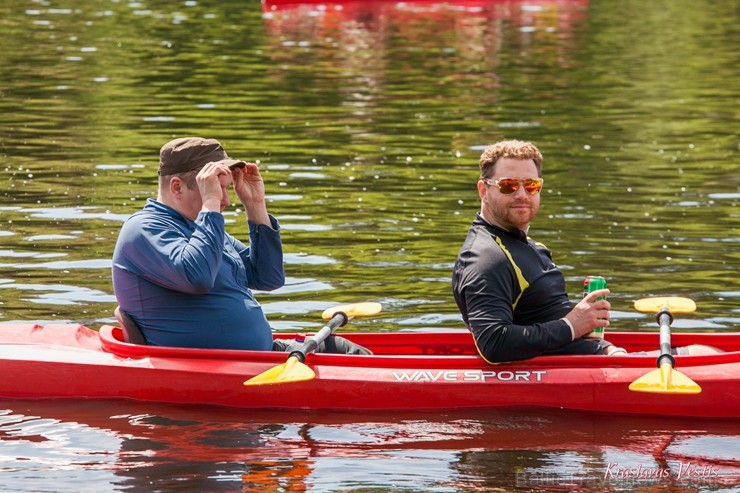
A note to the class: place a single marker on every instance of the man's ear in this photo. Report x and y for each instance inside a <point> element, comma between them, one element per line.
<point>176,185</point>
<point>482,190</point>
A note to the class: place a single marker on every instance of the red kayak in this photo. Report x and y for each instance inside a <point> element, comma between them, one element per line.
<point>408,371</point>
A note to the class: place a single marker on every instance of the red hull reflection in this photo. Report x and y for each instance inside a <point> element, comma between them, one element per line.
<point>528,16</point>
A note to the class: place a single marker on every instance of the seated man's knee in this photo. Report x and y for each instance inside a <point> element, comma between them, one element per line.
<point>702,350</point>
<point>340,345</point>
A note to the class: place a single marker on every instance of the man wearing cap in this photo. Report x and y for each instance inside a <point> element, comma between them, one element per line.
<point>177,273</point>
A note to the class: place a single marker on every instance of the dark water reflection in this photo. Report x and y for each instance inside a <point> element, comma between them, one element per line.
<point>125,446</point>
<point>367,119</point>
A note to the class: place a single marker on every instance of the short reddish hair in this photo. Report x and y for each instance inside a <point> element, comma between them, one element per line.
<point>515,149</point>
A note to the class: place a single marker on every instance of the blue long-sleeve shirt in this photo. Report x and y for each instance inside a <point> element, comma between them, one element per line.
<point>189,284</point>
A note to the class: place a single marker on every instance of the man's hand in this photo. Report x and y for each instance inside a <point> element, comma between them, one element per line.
<point>250,190</point>
<point>213,180</point>
<point>590,313</point>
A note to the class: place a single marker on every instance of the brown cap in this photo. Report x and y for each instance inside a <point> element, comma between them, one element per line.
<point>191,153</point>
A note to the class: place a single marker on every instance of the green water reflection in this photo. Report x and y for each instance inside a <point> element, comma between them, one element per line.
<point>368,121</point>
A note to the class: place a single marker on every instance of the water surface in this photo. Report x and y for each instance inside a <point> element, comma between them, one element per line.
<point>128,447</point>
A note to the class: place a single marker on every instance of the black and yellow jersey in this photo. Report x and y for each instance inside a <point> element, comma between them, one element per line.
<point>512,296</point>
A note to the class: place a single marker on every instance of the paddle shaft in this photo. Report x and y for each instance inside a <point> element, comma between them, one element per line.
<point>338,320</point>
<point>665,319</point>
<point>666,379</point>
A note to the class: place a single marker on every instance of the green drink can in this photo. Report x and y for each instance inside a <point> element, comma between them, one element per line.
<point>591,284</point>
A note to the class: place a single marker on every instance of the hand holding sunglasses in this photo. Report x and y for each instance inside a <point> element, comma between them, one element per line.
<point>510,185</point>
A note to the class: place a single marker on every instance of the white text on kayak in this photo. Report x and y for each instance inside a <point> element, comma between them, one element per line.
<point>469,376</point>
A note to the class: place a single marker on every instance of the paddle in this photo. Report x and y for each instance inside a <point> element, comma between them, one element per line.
<point>666,379</point>
<point>294,369</point>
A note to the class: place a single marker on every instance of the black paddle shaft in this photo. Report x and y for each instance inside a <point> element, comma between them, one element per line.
<point>339,319</point>
<point>665,319</point>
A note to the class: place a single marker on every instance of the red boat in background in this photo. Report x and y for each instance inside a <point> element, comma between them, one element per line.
<point>509,6</point>
<point>473,28</point>
<point>408,371</point>
<point>371,42</point>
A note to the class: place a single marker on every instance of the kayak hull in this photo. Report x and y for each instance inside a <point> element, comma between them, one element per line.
<point>408,371</point>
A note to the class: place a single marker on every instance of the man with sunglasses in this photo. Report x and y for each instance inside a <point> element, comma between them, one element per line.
<point>511,295</point>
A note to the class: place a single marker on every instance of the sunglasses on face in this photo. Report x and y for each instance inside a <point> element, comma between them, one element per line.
<point>510,185</point>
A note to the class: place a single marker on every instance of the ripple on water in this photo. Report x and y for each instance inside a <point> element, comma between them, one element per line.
<point>37,452</point>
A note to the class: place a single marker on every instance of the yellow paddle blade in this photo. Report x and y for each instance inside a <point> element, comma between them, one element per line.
<point>674,304</point>
<point>665,380</point>
<point>289,372</point>
<point>354,310</point>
